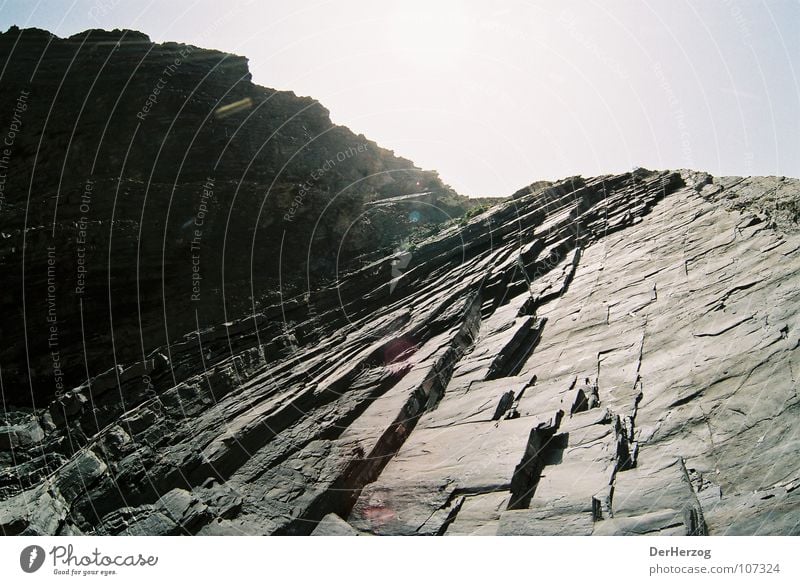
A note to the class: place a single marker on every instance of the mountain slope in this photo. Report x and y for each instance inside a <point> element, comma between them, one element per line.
<point>440,390</point>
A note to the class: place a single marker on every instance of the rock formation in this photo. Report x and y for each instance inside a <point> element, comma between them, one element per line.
<point>436,401</point>
<point>149,190</point>
<point>431,390</point>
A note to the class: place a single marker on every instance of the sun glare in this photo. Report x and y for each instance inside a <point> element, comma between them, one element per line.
<point>430,34</point>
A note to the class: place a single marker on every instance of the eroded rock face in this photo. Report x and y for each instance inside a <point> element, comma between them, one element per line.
<point>436,398</point>
<point>148,190</point>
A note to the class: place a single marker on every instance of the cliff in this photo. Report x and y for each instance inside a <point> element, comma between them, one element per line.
<point>149,190</point>
<point>443,389</point>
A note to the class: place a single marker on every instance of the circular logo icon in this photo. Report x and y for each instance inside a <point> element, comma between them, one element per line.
<point>31,558</point>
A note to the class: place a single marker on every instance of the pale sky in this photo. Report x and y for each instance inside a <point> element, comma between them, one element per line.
<point>496,95</point>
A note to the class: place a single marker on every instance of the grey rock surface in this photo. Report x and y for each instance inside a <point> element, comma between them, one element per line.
<point>436,399</point>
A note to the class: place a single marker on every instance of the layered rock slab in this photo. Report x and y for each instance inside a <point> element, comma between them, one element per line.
<point>438,401</point>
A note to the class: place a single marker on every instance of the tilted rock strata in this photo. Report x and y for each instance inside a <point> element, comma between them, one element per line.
<point>443,398</point>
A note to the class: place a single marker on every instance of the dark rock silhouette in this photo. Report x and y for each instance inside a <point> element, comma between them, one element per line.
<point>170,193</point>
